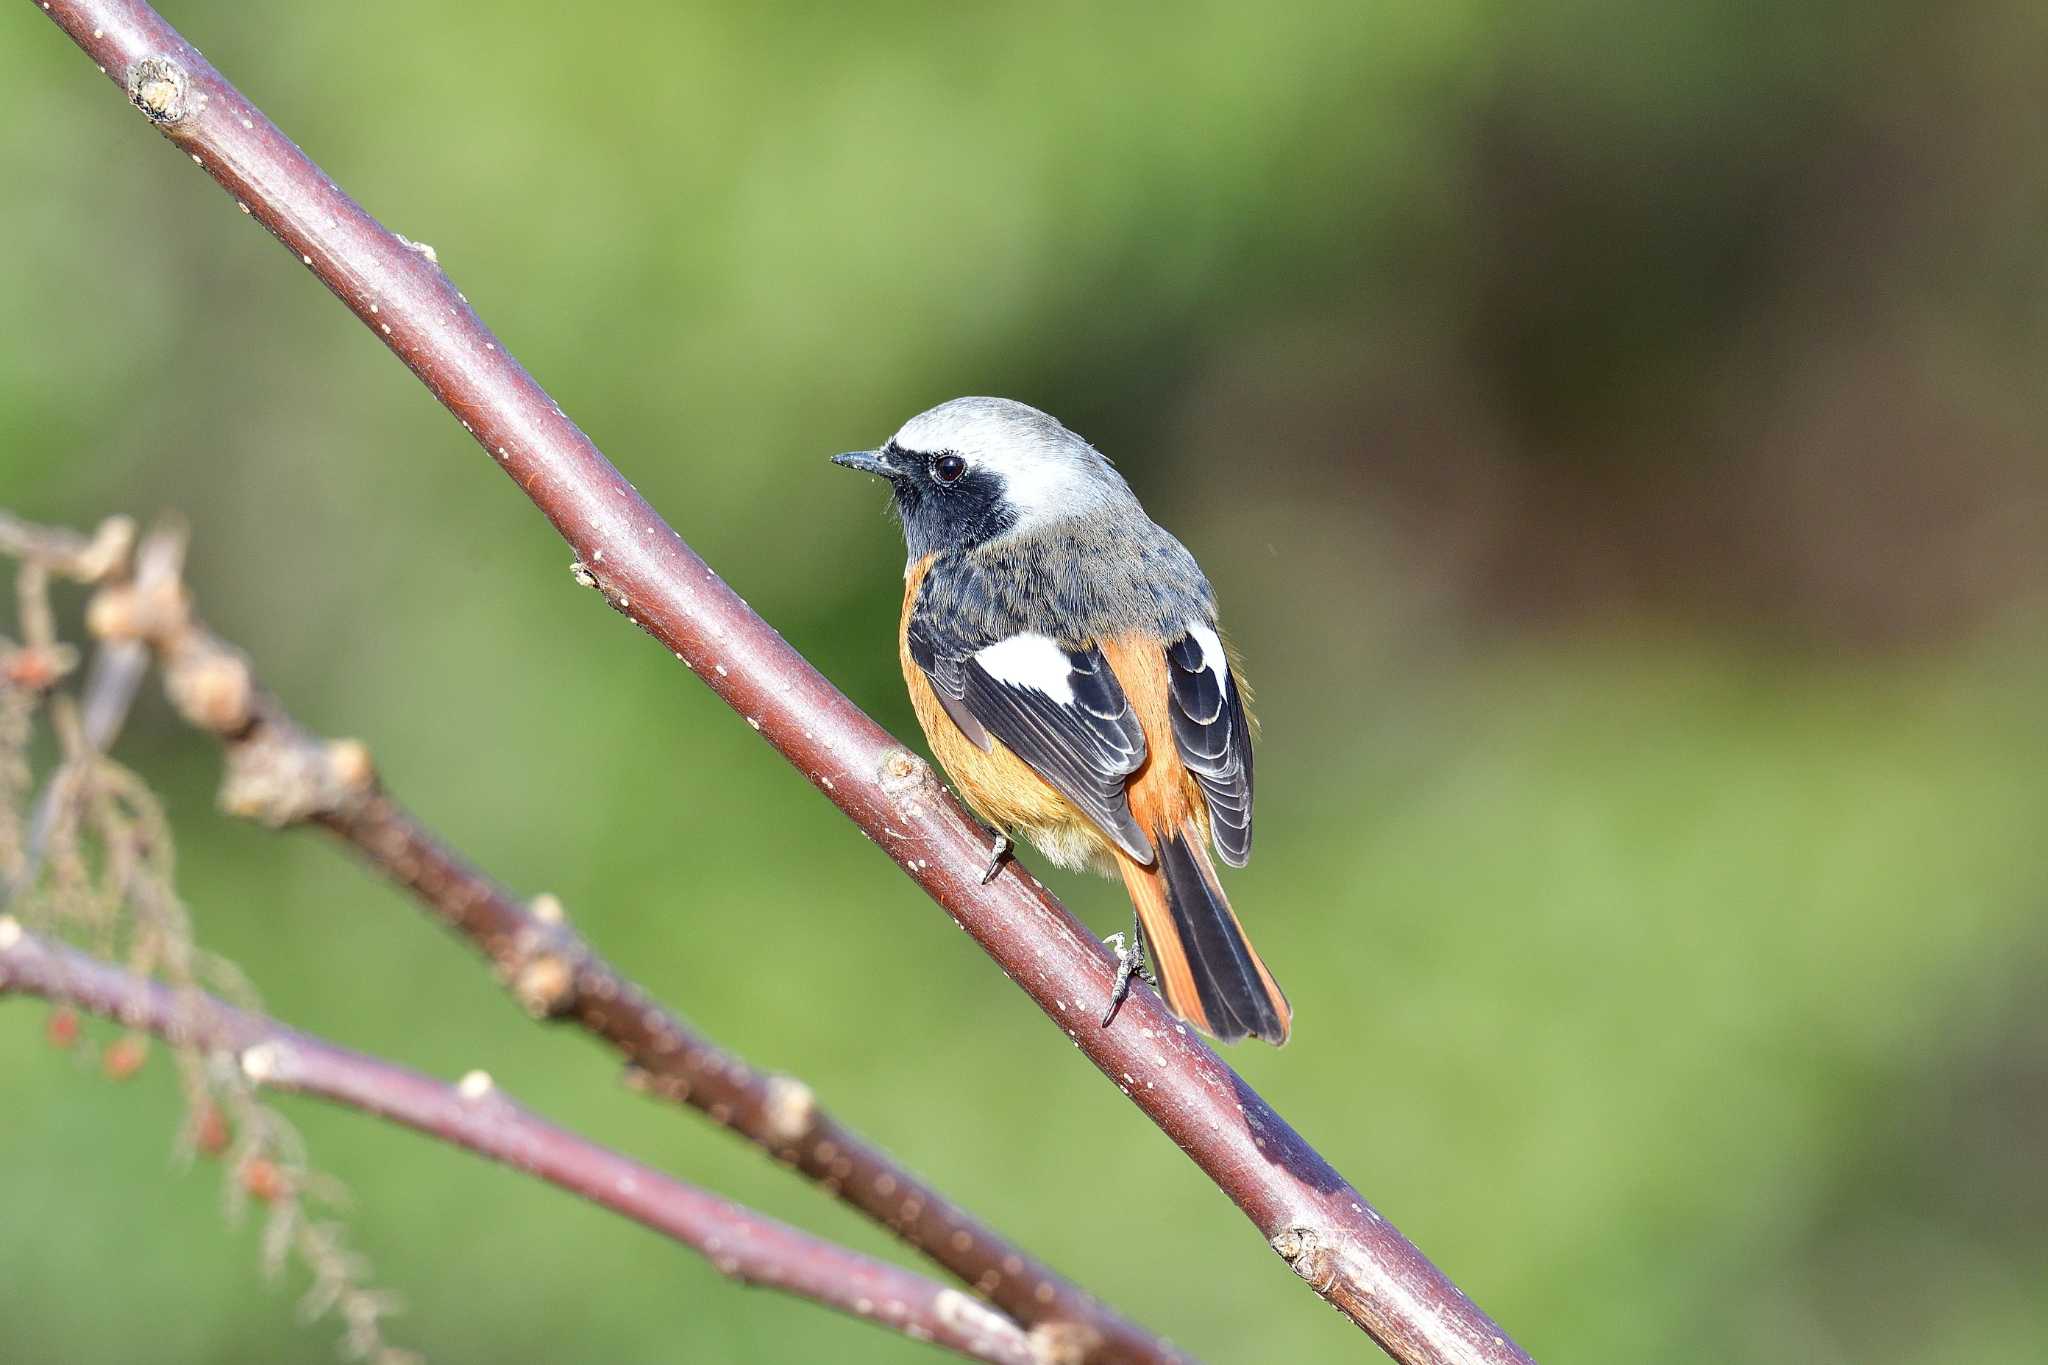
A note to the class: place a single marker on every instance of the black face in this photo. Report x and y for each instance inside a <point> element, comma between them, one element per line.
<point>946,501</point>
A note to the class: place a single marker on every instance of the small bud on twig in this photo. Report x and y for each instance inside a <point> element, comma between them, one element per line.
<point>36,669</point>
<point>124,1057</point>
<point>262,1062</point>
<point>212,689</point>
<point>157,612</point>
<point>349,761</point>
<point>61,1028</point>
<point>210,1132</point>
<point>790,1109</point>
<point>264,1180</point>
<point>545,985</point>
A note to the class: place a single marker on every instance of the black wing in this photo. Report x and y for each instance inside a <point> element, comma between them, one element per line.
<point>1214,738</point>
<point>1059,710</point>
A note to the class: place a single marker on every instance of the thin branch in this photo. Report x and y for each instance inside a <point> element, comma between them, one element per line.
<point>87,559</point>
<point>746,1246</point>
<point>280,774</point>
<point>1322,1227</point>
<point>118,666</point>
<point>102,834</point>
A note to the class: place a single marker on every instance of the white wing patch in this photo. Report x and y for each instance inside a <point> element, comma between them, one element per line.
<point>1033,661</point>
<point>1213,657</point>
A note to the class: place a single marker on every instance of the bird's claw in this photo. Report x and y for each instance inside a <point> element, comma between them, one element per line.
<point>1130,964</point>
<point>997,851</point>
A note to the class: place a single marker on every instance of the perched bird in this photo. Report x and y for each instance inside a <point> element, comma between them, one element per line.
<point>1063,657</point>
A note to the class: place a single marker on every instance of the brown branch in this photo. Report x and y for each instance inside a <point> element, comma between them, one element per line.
<point>1319,1224</point>
<point>280,774</point>
<point>744,1245</point>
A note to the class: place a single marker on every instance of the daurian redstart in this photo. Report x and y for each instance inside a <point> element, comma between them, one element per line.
<point>1063,656</point>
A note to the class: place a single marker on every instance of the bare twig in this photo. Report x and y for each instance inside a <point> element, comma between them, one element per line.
<point>118,666</point>
<point>280,774</point>
<point>1322,1227</point>
<point>747,1246</point>
<point>109,854</point>
<point>87,559</point>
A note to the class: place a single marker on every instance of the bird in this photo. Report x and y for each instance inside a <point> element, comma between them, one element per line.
<point>1065,662</point>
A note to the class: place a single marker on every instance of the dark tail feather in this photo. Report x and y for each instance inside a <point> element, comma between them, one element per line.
<point>1238,994</point>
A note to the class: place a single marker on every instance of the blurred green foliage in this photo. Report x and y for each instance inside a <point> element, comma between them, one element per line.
<point>1615,433</point>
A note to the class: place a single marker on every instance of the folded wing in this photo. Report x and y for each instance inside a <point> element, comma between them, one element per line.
<point>1060,710</point>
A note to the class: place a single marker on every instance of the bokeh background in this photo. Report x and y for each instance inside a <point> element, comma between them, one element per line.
<point>1616,434</point>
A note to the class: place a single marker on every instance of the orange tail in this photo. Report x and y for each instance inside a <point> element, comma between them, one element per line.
<point>1208,970</point>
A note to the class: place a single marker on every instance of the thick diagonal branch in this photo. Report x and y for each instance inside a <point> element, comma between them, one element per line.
<point>1326,1231</point>
<point>742,1244</point>
<point>281,775</point>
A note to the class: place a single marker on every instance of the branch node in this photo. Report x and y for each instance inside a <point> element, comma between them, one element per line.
<point>545,985</point>
<point>903,772</point>
<point>433,256</point>
<point>791,1110</point>
<point>160,88</point>
<point>980,1325</point>
<point>211,687</point>
<point>1062,1343</point>
<point>156,612</point>
<point>1303,1250</point>
<point>264,1062</point>
<point>280,780</point>
<point>349,762</point>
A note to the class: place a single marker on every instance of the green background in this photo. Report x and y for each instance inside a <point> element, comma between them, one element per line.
<point>1615,434</point>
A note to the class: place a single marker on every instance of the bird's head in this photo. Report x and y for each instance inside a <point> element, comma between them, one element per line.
<point>978,469</point>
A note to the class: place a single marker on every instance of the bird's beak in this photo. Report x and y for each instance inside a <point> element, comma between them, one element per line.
<point>868,462</point>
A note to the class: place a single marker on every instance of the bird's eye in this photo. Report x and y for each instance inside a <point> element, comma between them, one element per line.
<point>948,468</point>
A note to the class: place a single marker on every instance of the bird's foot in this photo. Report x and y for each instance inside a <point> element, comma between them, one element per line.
<point>1130,964</point>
